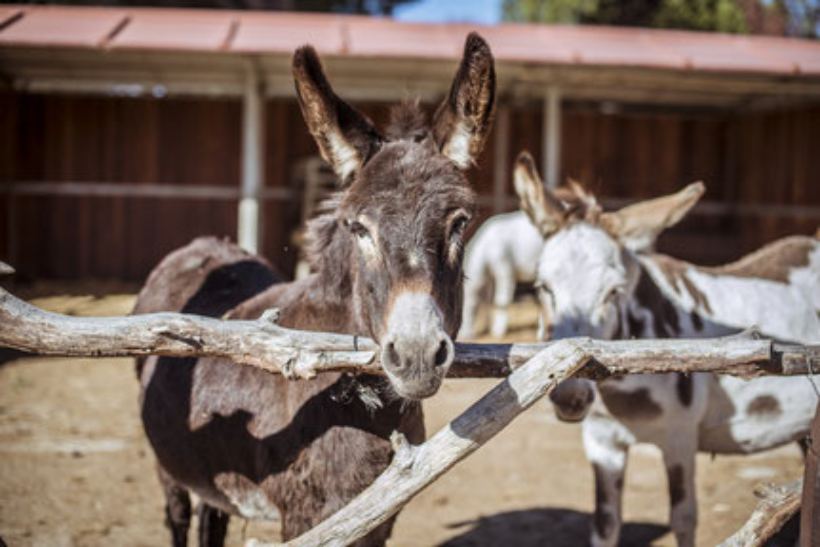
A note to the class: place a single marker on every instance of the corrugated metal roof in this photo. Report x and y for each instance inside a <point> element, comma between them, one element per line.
<point>188,30</point>
<point>7,13</point>
<point>283,32</point>
<point>49,26</point>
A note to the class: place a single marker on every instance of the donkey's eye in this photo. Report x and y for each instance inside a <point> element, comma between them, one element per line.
<point>458,226</point>
<point>357,229</point>
<point>543,288</point>
<point>613,295</point>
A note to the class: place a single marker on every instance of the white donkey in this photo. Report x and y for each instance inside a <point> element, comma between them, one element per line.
<point>503,252</point>
<point>595,278</point>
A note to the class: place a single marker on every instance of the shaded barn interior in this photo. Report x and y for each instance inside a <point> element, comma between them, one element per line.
<point>760,170</point>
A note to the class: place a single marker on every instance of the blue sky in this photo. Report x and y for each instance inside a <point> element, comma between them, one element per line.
<point>485,12</point>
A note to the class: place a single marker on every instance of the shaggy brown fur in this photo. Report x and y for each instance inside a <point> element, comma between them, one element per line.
<point>252,443</point>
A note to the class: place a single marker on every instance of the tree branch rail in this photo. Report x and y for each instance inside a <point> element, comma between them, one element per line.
<point>301,354</point>
<point>531,371</point>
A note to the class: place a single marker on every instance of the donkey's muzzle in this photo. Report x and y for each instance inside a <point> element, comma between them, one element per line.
<point>416,350</point>
<point>572,399</point>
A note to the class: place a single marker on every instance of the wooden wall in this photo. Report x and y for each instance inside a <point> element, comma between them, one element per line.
<point>760,159</point>
<point>61,138</point>
<point>753,164</point>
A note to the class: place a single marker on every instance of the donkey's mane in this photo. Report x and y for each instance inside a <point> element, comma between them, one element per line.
<point>324,258</point>
<point>579,204</point>
<point>407,121</point>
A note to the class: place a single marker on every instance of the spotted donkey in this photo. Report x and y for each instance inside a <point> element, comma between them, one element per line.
<point>503,252</point>
<point>386,258</point>
<point>597,277</point>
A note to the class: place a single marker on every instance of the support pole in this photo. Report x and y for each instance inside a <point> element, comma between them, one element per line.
<point>253,162</point>
<point>501,153</point>
<point>810,515</point>
<point>12,235</point>
<point>551,136</point>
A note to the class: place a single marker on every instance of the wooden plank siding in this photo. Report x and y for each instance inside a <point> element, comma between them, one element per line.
<point>753,158</point>
<point>60,138</point>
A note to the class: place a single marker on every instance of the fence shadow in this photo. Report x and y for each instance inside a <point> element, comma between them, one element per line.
<point>545,526</point>
<point>8,354</point>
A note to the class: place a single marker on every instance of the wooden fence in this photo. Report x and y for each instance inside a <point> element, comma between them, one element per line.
<point>531,372</point>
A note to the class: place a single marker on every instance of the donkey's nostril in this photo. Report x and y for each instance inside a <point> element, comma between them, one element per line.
<point>442,354</point>
<point>393,356</point>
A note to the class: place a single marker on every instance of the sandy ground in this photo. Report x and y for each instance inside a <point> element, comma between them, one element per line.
<point>75,468</point>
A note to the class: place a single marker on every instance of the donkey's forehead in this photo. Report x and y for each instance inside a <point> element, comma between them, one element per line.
<point>580,249</point>
<point>404,176</point>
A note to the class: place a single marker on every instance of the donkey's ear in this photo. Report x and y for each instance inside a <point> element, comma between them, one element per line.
<point>638,226</point>
<point>346,138</point>
<point>463,120</point>
<point>544,210</point>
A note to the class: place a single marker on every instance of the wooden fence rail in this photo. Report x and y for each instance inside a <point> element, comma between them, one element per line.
<point>531,370</point>
<point>301,354</point>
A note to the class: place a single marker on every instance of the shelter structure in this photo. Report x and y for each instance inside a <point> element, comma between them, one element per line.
<point>128,131</point>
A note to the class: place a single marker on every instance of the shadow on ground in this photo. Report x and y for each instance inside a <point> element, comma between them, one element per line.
<point>8,354</point>
<point>545,526</point>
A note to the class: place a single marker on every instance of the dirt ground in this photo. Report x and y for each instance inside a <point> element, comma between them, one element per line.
<point>75,468</point>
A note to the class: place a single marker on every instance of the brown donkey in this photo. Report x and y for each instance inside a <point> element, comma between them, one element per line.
<point>386,255</point>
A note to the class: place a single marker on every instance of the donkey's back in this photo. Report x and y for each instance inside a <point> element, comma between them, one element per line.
<point>508,237</point>
<point>504,251</point>
<point>209,276</point>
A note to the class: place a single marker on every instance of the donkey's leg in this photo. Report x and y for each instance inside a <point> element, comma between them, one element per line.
<point>213,526</point>
<point>608,459</point>
<point>679,458</point>
<point>472,299</point>
<point>177,508</point>
<point>504,292</point>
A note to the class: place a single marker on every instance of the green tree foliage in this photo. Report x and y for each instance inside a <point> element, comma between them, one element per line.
<point>719,15</point>
<point>791,17</point>
<point>555,11</point>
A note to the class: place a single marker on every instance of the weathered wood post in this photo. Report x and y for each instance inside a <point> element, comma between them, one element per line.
<point>810,512</point>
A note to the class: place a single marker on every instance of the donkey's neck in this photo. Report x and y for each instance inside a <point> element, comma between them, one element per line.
<point>304,304</point>
<point>665,303</point>
<point>323,301</point>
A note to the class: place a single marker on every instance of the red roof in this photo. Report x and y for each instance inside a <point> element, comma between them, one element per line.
<point>280,33</point>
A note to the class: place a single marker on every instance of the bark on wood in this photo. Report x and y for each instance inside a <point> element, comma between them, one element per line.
<point>260,343</point>
<point>264,344</point>
<point>776,507</point>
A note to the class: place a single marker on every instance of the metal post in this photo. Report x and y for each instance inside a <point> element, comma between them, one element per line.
<point>551,136</point>
<point>501,156</point>
<point>253,162</point>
